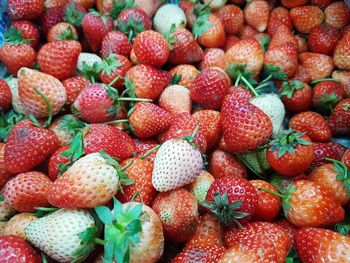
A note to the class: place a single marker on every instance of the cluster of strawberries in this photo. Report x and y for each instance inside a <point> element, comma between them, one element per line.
<point>140,131</point>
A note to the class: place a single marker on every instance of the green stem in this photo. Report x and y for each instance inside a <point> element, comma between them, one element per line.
<point>251,88</point>
<point>143,156</point>
<point>135,99</point>
<point>325,79</point>
<point>131,35</point>
<point>267,78</point>
<point>113,81</point>
<point>272,192</point>
<point>117,121</point>
<point>99,241</point>
<point>46,209</point>
<point>238,80</point>
<point>49,106</point>
<point>127,165</point>
<point>195,131</point>
<point>262,85</point>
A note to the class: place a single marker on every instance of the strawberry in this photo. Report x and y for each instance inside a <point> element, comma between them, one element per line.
<point>313,124</point>
<point>62,31</point>
<point>187,72</point>
<point>4,174</point>
<point>302,74</point>
<point>16,52</point>
<point>143,146</point>
<point>151,48</point>
<point>6,211</point>
<point>296,96</point>
<point>65,235</point>
<point>209,126</point>
<point>230,206</point>
<point>256,14</point>
<point>339,120</point>
<point>222,164</point>
<point>318,244</point>
<point>278,16</point>
<point>326,94</point>
<point>210,88</point>
<point>240,92</point>
<point>203,254</point>
<point>148,82</point>
<point>323,39</point>
<point>290,153</point>
<point>337,14</point>
<point>231,16</point>
<point>95,27</point>
<point>41,94</point>
<point>341,53</point>
<point>209,31</point>
<point>145,239</point>
<point>54,3</point>
<point>346,158</point>
<point>344,79</point>
<point>213,57</point>
<point>5,95</point>
<point>230,41</point>
<point>307,17</point>
<point>16,249</point>
<point>51,17</point>
<point>134,17</point>
<point>293,3</point>
<point>189,10</point>
<point>89,62</point>
<point>283,36</point>
<point>21,9</point>
<point>179,219</point>
<point>73,87</point>
<point>148,120</point>
<point>175,99</point>
<point>28,146</point>
<point>56,160</point>
<point>322,151</point>
<point>185,49</point>
<point>18,223</point>
<point>239,119</point>
<point>29,31</point>
<point>333,178</point>
<point>268,205</point>
<point>318,65</point>
<point>115,66</point>
<point>200,186</point>
<point>166,16</point>
<point>115,42</point>
<point>246,52</point>
<point>247,32</point>
<point>275,234</point>
<point>56,63</point>
<point>27,190</point>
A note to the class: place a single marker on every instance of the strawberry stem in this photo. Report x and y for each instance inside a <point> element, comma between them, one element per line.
<point>262,85</point>
<point>238,80</point>
<point>250,87</point>
<point>143,156</point>
<point>117,121</point>
<point>272,192</point>
<point>99,241</point>
<point>135,99</point>
<point>127,165</point>
<point>49,106</point>
<point>324,79</point>
<point>113,81</point>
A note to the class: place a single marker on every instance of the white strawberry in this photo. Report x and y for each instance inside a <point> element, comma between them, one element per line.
<point>89,59</point>
<point>16,102</point>
<point>6,211</point>
<point>167,15</point>
<point>273,107</point>
<point>177,163</point>
<point>59,234</point>
<point>200,186</point>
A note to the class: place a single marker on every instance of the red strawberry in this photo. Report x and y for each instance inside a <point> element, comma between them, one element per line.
<point>16,52</point>
<point>5,95</point>
<point>210,88</point>
<point>203,254</point>
<point>29,31</point>
<point>337,14</point>
<point>293,3</point>
<point>179,219</point>
<point>278,16</point>
<point>16,249</point>
<point>323,39</point>
<point>28,146</point>
<point>287,227</point>
<point>117,43</point>
<point>344,79</point>
<point>209,31</point>
<point>307,17</point>
<point>151,48</point>
<point>313,124</point>
<point>175,99</point>
<point>231,16</point>
<point>302,75</point>
<point>322,151</point>
<point>247,32</point>
<point>95,27</point>
<point>283,36</point>
<point>136,17</point>
<point>74,86</point>
<point>54,3</point>
<point>56,63</point>
<point>339,120</point>
<point>62,31</point>
<point>56,160</point>
<point>256,14</point>
<point>26,191</point>
<point>239,123</point>
<point>148,120</point>
<point>4,174</point>
<point>21,9</point>
<point>269,205</point>
<point>213,57</point>
<point>296,96</point>
<point>318,65</point>
<point>185,49</point>
<point>240,92</point>
<point>346,158</point>
<point>222,164</point>
<point>326,94</point>
<point>187,72</point>
<point>321,245</point>
<point>143,146</point>
<point>141,172</point>
<point>230,41</point>
<point>232,199</point>
<point>341,53</point>
<point>149,82</point>
<point>51,17</point>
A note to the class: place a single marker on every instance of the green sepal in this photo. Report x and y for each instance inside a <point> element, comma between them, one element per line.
<point>343,173</point>
<point>170,38</point>
<point>67,35</point>
<point>113,94</point>
<point>343,227</point>
<point>119,6</point>
<point>264,43</point>
<point>293,256</point>
<point>90,72</point>
<point>7,121</point>
<point>290,87</point>
<point>201,9</point>
<point>44,211</point>
<point>131,29</point>
<point>14,37</point>
<point>275,72</point>
<point>109,65</point>
<point>236,71</point>
<point>346,106</point>
<point>102,16</point>
<point>73,16</point>
<point>328,102</point>
<point>201,25</point>
<point>71,125</point>
<point>176,79</point>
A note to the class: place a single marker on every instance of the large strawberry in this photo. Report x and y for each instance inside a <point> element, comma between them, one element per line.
<point>296,95</point>
<point>305,18</point>
<point>66,235</point>
<point>341,53</point>
<point>231,16</point>
<point>28,146</point>
<point>175,99</point>
<point>239,122</point>
<point>16,249</point>
<point>19,9</point>
<point>59,59</point>
<point>323,39</point>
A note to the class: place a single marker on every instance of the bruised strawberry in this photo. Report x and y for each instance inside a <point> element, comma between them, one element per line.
<point>19,9</point>
<point>337,14</point>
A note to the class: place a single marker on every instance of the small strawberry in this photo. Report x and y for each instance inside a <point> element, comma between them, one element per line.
<point>134,17</point>
<point>239,123</point>
<point>21,9</point>
<point>175,99</point>
<point>318,65</point>
<point>18,223</point>
<point>222,164</point>
<point>256,14</point>
<point>322,151</point>
<point>323,39</point>
<point>95,27</point>
<point>51,17</point>
<point>16,249</point>
<point>179,219</point>
<point>307,17</point>
<point>232,200</point>
<point>115,42</point>
<point>337,14</point>
<point>204,253</point>
<point>210,88</point>
<point>29,31</point>
<point>56,160</point>
<point>296,96</point>
<point>27,190</point>
<point>16,52</point>
<point>318,244</point>
<point>74,86</point>
<point>344,79</point>
<point>209,31</point>
<point>341,53</point>
<point>213,57</point>
<point>326,94</point>
<point>168,15</point>
<point>62,31</point>
<point>56,63</point>
<point>313,124</point>
<point>278,16</point>
<point>5,95</point>
<point>65,235</point>
<point>28,146</point>
<point>4,174</point>
<point>187,73</point>
<point>339,120</point>
<point>231,16</point>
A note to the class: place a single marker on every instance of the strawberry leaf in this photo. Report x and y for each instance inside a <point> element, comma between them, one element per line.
<point>170,38</point>
<point>119,6</point>
<point>290,87</point>
<point>73,16</point>
<point>7,121</point>
<point>132,28</point>
<point>274,72</point>
<point>109,65</point>
<point>14,37</point>
<point>67,35</point>
<point>201,26</point>
<point>176,79</point>
<point>71,125</point>
<point>104,214</point>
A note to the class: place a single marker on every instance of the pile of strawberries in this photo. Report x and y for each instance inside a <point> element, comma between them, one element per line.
<point>140,131</point>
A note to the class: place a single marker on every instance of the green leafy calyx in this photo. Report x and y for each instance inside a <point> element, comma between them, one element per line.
<point>201,26</point>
